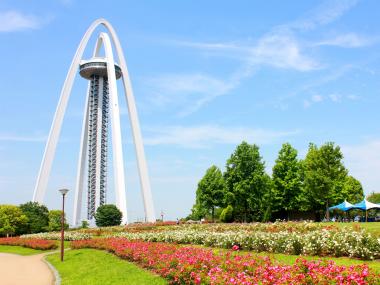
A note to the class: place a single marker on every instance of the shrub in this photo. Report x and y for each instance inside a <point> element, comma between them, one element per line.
<point>227,214</point>
<point>108,215</point>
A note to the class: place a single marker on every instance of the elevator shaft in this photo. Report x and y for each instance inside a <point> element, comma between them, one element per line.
<point>98,102</point>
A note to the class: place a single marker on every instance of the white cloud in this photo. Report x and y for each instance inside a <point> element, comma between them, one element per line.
<point>353,97</point>
<point>281,51</point>
<point>326,13</point>
<point>363,162</point>
<point>18,138</point>
<point>279,48</point>
<point>333,97</point>
<point>316,98</point>
<point>191,91</point>
<point>208,135</point>
<point>347,41</point>
<point>11,21</point>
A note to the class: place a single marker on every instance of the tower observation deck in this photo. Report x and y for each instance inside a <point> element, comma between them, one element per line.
<point>95,70</point>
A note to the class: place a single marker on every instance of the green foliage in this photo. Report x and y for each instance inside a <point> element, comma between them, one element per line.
<point>55,217</point>
<point>247,183</point>
<point>324,176</point>
<point>374,198</point>
<point>227,215</point>
<point>85,224</point>
<point>38,217</point>
<point>210,191</point>
<point>108,215</point>
<point>12,220</point>
<point>352,190</point>
<point>310,185</point>
<point>286,179</point>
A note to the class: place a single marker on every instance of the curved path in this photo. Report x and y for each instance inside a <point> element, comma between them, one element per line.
<point>20,270</point>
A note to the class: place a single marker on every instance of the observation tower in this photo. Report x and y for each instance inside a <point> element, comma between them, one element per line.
<point>101,113</point>
<point>95,70</point>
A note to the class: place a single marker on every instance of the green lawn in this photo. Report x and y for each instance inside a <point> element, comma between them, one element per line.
<point>373,227</point>
<point>19,250</point>
<point>91,267</point>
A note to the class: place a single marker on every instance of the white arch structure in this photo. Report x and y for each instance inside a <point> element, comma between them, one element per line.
<point>52,141</point>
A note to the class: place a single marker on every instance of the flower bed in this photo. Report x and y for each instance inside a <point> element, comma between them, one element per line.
<point>30,243</point>
<point>191,265</point>
<point>320,242</point>
<point>300,227</point>
<point>70,236</point>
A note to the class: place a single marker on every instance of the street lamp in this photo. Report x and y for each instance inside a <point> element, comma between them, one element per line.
<point>63,192</point>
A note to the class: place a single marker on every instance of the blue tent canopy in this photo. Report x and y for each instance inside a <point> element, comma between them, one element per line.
<point>365,205</point>
<point>345,206</point>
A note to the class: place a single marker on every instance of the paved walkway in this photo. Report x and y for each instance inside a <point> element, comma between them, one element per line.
<point>21,270</point>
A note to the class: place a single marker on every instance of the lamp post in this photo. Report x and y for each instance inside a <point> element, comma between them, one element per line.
<point>63,192</point>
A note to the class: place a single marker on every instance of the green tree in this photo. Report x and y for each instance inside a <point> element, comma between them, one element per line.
<point>55,220</point>
<point>286,179</point>
<point>38,217</point>
<point>11,220</point>
<point>210,190</point>
<point>374,198</point>
<point>352,190</point>
<point>226,216</point>
<point>108,215</point>
<point>85,224</point>
<point>324,176</point>
<point>247,183</point>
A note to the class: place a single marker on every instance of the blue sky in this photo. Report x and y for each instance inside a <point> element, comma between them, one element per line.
<point>206,75</point>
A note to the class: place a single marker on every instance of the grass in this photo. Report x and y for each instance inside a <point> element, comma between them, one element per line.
<point>372,227</point>
<point>28,251</point>
<point>91,267</point>
<point>19,250</point>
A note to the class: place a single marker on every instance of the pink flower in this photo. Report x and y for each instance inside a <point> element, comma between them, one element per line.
<point>235,247</point>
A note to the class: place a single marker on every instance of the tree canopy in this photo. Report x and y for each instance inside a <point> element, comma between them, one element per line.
<point>108,215</point>
<point>298,188</point>
<point>38,216</point>
<point>210,191</point>
<point>55,220</point>
<point>11,220</point>
<point>324,176</point>
<point>246,183</point>
<point>287,182</point>
<point>374,198</point>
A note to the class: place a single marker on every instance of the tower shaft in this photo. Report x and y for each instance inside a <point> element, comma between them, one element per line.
<point>98,102</point>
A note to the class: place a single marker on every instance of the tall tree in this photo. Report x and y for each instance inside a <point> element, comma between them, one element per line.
<point>352,190</point>
<point>11,219</point>
<point>210,190</point>
<point>247,183</point>
<point>324,176</point>
<point>286,180</point>
<point>38,216</point>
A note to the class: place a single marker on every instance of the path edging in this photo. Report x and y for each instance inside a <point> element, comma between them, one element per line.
<point>57,277</point>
